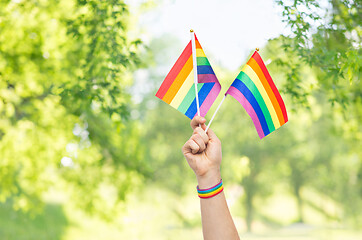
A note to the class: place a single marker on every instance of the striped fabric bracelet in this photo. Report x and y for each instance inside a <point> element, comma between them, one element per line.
<point>210,192</point>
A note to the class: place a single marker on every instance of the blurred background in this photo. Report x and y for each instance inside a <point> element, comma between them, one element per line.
<point>88,152</point>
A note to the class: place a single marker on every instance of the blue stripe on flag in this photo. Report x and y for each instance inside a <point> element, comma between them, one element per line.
<point>204,91</point>
<point>250,97</point>
<point>205,69</point>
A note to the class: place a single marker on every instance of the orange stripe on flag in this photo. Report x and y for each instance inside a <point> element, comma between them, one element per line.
<point>197,44</point>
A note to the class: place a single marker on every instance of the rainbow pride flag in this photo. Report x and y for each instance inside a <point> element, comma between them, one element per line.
<point>178,88</point>
<point>257,93</point>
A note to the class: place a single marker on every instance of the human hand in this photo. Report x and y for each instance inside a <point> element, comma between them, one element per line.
<point>203,153</point>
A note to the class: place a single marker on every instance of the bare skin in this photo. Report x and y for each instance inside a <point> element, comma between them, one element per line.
<point>203,153</point>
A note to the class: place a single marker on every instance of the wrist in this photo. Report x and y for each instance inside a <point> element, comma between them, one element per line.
<point>209,179</point>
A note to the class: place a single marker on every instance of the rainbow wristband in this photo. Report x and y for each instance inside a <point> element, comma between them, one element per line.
<point>210,192</point>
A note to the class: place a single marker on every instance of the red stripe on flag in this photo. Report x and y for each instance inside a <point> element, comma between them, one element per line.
<point>262,66</point>
<point>181,61</point>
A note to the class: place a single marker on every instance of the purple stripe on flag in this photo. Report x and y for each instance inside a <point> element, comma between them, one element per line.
<point>249,109</point>
<point>207,78</point>
<point>214,92</point>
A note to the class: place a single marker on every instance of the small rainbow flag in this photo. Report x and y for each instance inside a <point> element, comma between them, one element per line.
<point>257,93</point>
<point>178,88</point>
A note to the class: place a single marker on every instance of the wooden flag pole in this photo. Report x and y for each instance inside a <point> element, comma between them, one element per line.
<point>194,61</point>
<point>217,109</point>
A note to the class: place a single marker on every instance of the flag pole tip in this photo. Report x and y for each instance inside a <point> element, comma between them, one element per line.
<point>257,49</point>
<point>191,30</point>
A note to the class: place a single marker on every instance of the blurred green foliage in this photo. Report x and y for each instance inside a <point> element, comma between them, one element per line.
<point>327,38</point>
<point>317,155</point>
<point>64,68</point>
<point>80,125</point>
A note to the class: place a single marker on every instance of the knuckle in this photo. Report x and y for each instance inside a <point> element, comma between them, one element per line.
<point>205,136</point>
<point>198,130</point>
<point>196,136</point>
<point>196,149</point>
<point>193,144</point>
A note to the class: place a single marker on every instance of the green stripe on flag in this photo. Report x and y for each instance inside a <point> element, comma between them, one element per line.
<point>202,61</point>
<point>190,96</point>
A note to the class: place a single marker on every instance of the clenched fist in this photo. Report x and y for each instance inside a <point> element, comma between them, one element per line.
<point>203,153</point>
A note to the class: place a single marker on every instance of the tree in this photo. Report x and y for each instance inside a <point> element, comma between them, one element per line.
<point>64,69</point>
<point>328,39</point>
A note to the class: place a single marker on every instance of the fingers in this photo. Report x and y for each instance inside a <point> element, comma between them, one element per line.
<point>202,133</point>
<point>197,143</point>
<point>196,121</point>
<point>200,138</point>
<point>190,147</point>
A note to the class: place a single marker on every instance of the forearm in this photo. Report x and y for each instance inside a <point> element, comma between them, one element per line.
<point>217,222</point>
<point>203,154</point>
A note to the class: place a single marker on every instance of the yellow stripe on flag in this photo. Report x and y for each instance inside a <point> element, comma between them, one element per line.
<point>200,52</point>
<point>184,89</point>
<point>250,72</point>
